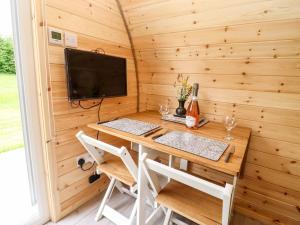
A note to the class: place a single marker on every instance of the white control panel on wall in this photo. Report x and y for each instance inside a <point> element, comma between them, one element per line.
<point>70,40</point>
<point>55,36</point>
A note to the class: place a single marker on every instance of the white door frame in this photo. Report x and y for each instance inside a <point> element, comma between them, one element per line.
<point>23,35</point>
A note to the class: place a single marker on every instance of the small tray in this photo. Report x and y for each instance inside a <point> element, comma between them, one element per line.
<point>177,119</point>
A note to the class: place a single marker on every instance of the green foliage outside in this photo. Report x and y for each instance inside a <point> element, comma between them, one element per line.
<point>11,135</point>
<point>7,60</point>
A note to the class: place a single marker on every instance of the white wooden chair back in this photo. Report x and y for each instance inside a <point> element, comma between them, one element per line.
<point>96,149</point>
<point>220,192</point>
<point>93,145</point>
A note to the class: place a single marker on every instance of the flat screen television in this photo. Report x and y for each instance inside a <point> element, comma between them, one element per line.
<point>92,75</point>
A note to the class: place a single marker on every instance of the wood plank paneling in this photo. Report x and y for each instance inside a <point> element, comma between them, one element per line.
<point>64,20</point>
<point>270,49</point>
<point>148,12</point>
<point>91,11</point>
<point>287,67</point>
<point>245,57</point>
<point>274,205</point>
<point>275,147</point>
<point>272,176</point>
<point>276,100</point>
<point>262,214</point>
<point>209,14</point>
<point>257,113</point>
<point>97,24</point>
<point>83,196</point>
<point>286,165</point>
<point>268,189</point>
<point>252,11</point>
<point>282,84</point>
<point>61,106</point>
<point>240,33</point>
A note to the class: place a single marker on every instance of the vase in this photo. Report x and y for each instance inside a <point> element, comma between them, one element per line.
<point>181,111</point>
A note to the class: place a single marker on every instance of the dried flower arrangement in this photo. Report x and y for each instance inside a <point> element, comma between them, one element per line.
<point>184,89</point>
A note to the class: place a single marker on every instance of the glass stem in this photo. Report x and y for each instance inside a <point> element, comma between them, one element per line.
<point>228,133</point>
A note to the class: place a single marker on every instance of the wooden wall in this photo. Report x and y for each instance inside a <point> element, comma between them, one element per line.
<point>98,24</point>
<point>245,54</point>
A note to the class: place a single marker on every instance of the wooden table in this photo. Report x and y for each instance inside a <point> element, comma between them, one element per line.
<point>211,130</point>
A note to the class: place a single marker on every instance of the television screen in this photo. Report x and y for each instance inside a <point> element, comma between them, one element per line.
<point>91,75</point>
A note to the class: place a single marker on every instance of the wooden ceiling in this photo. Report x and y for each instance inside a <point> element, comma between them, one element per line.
<point>246,57</point>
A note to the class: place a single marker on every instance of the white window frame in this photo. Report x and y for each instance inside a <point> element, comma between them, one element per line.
<point>24,46</point>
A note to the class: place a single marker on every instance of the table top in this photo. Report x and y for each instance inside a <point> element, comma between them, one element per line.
<point>212,130</point>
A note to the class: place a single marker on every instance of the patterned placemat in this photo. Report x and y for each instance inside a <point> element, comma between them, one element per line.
<point>131,126</point>
<point>198,145</point>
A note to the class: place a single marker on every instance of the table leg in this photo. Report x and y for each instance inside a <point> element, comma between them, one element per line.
<point>183,164</point>
<point>141,199</point>
<point>232,196</point>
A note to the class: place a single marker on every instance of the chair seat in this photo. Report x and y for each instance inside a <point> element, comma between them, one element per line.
<point>191,203</point>
<point>113,166</point>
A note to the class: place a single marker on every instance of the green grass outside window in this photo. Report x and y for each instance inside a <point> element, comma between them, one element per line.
<point>11,135</point>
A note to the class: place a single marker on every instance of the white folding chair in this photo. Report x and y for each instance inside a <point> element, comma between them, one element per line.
<point>119,166</point>
<point>196,199</point>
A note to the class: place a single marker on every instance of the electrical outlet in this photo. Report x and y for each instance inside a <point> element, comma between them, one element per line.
<point>71,39</point>
<point>87,158</point>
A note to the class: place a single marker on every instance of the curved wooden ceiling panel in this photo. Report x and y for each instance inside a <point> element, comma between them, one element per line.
<point>246,57</point>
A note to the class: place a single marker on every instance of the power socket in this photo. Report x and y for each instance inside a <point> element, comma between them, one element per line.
<point>87,158</point>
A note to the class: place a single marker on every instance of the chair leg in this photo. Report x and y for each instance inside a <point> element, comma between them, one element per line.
<point>177,222</point>
<point>105,199</point>
<point>119,186</point>
<point>155,215</point>
<point>133,214</point>
<point>168,217</point>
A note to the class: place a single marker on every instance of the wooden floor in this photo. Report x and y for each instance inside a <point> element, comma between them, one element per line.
<point>85,215</point>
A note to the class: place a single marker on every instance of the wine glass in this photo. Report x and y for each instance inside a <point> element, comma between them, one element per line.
<point>230,123</point>
<point>163,110</point>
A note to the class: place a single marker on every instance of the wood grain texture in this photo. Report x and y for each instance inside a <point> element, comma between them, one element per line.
<point>213,130</point>
<point>86,213</point>
<point>113,166</point>
<point>229,34</point>
<point>98,24</point>
<point>245,57</point>
<point>191,203</point>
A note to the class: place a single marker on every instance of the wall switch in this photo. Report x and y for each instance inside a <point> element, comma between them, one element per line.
<point>55,36</point>
<point>71,39</point>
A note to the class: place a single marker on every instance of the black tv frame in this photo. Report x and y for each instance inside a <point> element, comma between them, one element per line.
<point>95,53</point>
